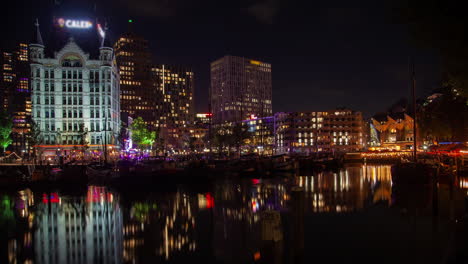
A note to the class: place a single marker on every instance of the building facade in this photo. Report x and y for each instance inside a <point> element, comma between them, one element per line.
<point>203,119</point>
<point>175,111</point>
<point>340,130</point>
<point>176,87</point>
<point>15,96</point>
<point>262,134</point>
<point>163,95</point>
<point>138,97</point>
<point>240,87</point>
<point>75,98</point>
<point>393,132</point>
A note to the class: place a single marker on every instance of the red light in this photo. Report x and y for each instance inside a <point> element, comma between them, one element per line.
<point>54,198</point>
<point>209,201</point>
<point>44,198</point>
<point>257,256</point>
<point>254,206</point>
<point>97,194</point>
<point>255,181</point>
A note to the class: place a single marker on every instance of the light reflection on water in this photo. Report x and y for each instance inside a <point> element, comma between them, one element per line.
<point>347,190</point>
<point>234,222</point>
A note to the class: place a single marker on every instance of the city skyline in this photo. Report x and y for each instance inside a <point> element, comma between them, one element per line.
<point>71,89</point>
<point>313,68</point>
<point>249,131</point>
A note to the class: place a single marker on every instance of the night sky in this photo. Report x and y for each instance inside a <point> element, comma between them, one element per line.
<point>324,54</point>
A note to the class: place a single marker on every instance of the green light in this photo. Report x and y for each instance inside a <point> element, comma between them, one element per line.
<point>130,20</point>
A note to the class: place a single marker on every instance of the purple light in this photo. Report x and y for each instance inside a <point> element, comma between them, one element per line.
<point>20,204</point>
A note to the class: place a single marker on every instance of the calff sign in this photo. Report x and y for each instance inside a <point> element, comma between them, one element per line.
<point>71,23</point>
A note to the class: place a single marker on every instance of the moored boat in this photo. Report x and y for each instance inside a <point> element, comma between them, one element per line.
<point>99,173</point>
<point>412,173</point>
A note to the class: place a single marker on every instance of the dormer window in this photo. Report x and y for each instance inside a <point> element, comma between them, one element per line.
<point>72,61</point>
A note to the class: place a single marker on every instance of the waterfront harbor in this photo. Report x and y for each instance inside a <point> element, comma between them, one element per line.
<point>257,132</point>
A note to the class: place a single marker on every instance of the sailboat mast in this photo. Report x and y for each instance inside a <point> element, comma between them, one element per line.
<point>413,94</point>
<point>105,139</point>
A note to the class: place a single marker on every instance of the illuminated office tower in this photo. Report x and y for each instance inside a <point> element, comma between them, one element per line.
<point>75,94</point>
<point>175,106</point>
<point>138,98</point>
<point>240,88</point>
<point>175,83</point>
<point>161,94</point>
<point>15,97</point>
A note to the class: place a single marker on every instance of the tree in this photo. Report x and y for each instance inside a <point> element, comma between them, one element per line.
<point>6,126</point>
<point>240,134</point>
<point>160,142</point>
<point>441,25</point>
<point>34,136</point>
<point>220,139</point>
<point>123,137</point>
<point>84,142</point>
<point>444,117</point>
<point>188,141</point>
<point>141,135</point>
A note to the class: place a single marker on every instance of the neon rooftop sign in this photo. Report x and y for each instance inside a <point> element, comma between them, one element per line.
<point>72,23</point>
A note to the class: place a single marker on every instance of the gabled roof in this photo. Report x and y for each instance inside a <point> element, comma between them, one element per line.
<point>392,121</point>
<point>71,47</point>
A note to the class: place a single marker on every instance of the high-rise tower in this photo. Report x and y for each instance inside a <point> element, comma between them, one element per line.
<point>240,88</point>
<point>15,97</point>
<point>138,97</point>
<point>161,94</point>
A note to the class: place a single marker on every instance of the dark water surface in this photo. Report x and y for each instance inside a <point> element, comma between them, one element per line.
<point>348,216</point>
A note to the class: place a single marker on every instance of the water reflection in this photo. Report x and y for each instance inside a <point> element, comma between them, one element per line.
<point>347,190</point>
<point>85,229</point>
<point>245,221</point>
<point>160,227</point>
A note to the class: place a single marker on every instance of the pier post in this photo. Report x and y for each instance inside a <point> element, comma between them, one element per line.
<point>297,224</point>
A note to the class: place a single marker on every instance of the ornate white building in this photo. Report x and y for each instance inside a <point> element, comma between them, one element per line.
<point>75,98</point>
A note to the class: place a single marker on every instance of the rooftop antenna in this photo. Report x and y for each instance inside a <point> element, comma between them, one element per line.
<point>130,25</point>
